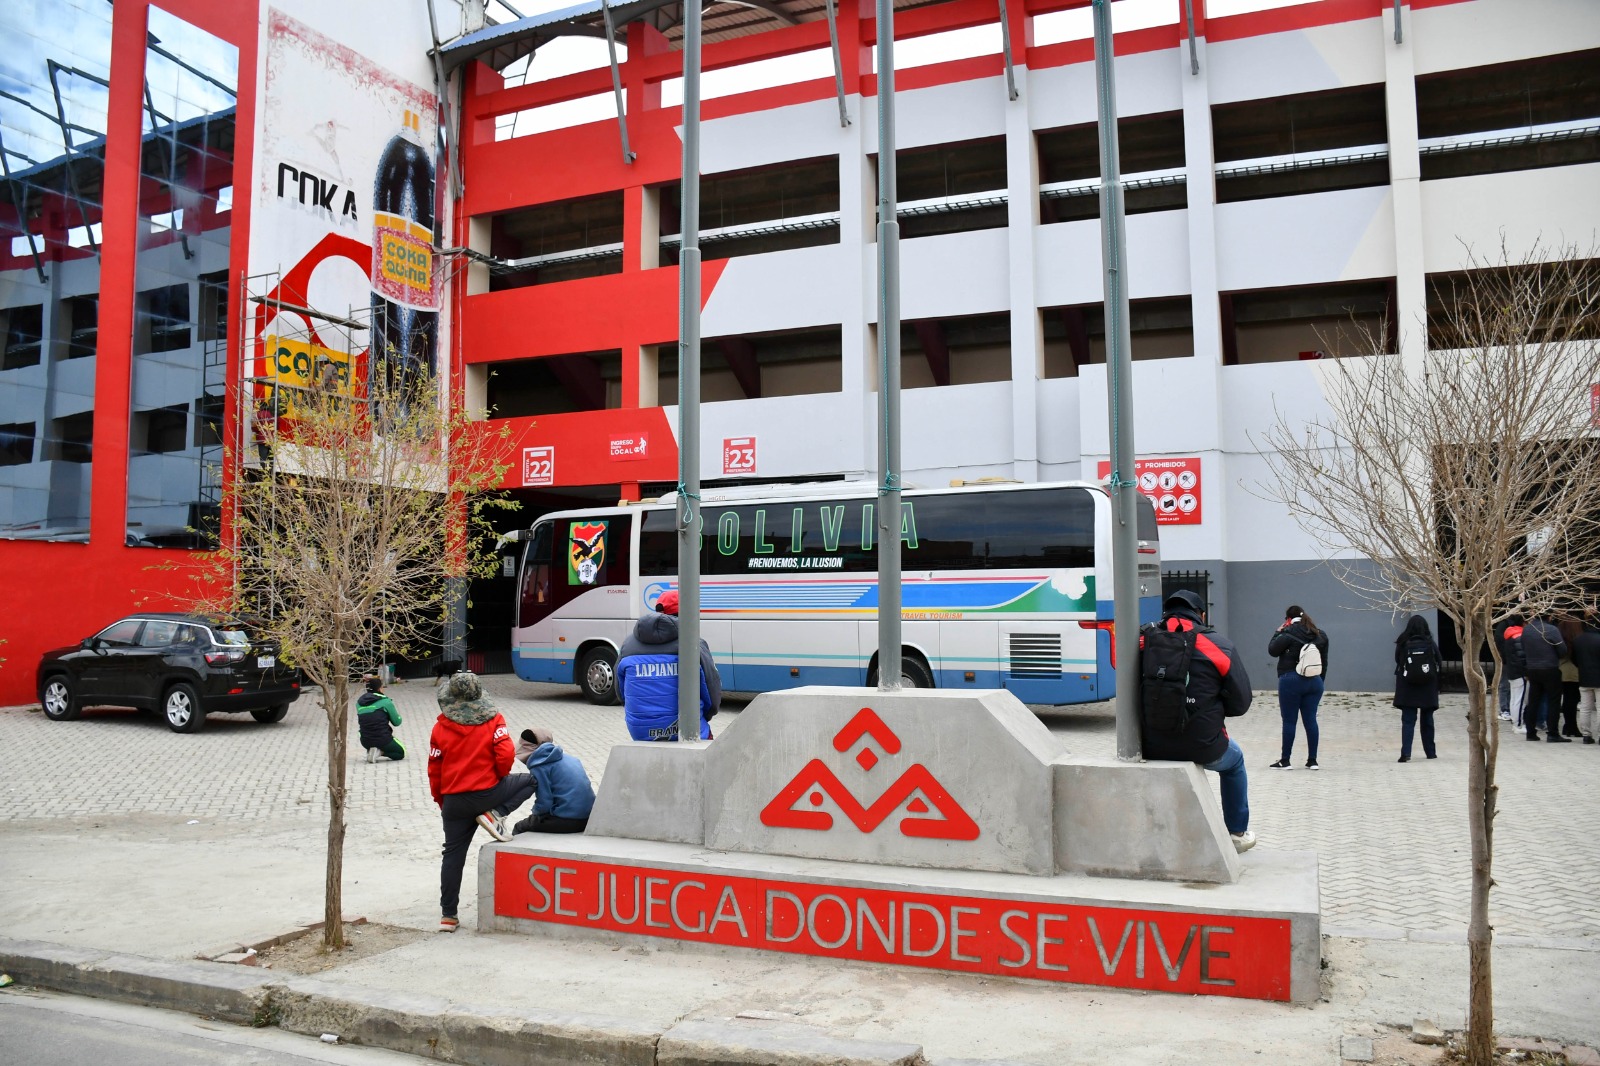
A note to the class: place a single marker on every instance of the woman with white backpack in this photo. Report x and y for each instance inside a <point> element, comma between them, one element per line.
<point>1416,684</point>
<point>1302,651</point>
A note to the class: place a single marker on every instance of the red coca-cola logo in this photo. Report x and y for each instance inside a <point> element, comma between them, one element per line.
<point>930,810</point>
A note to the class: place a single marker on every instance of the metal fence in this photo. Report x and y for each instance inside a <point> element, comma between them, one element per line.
<point>1196,581</point>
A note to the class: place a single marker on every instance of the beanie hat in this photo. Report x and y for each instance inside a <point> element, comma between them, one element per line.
<point>374,683</point>
<point>668,603</point>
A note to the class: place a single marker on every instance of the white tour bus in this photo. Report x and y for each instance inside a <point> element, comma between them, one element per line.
<point>1004,586</point>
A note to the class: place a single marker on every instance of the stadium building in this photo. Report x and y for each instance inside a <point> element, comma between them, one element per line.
<point>205,202</point>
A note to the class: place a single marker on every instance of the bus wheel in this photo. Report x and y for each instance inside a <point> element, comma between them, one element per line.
<point>597,675</point>
<point>914,673</point>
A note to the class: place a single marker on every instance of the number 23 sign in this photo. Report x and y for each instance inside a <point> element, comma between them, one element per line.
<point>738,455</point>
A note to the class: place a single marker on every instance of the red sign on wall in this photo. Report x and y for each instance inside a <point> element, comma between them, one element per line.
<point>539,466</point>
<point>1170,951</point>
<point>1173,486</point>
<point>738,455</point>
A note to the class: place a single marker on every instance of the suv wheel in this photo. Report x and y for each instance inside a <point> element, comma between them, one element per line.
<point>271,714</point>
<point>182,710</point>
<point>60,702</point>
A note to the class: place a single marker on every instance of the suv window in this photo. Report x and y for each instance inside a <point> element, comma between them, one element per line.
<point>230,636</point>
<point>121,634</point>
<point>162,633</point>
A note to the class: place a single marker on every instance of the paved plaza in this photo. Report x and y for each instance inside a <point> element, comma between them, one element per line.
<point>1391,838</point>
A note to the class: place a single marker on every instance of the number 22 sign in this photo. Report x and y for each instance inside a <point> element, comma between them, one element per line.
<point>539,466</point>
<point>738,455</point>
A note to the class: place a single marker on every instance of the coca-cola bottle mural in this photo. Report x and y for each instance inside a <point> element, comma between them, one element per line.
<point>405,291</point>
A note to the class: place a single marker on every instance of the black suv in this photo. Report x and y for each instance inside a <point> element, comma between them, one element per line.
<point>185,665</point>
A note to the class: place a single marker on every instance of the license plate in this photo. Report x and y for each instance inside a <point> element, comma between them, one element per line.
<point>264,661</point>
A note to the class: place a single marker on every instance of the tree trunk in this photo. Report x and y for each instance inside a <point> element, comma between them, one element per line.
<point>336,704</point>
<point>1484,741</point>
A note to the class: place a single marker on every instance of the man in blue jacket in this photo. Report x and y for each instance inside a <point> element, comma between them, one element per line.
<point>647,676</point>
<point>562,794</point>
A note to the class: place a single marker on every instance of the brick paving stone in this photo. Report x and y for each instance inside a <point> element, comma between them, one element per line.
<point>1391,838</point>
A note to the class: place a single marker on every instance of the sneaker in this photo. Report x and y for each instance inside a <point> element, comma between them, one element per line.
<point>1588,740</point>
<point>1311,764</point>
<point>1281,764</point>
<point>372,755</point>
<point>1243,842</point>
<point>1505,716</point>
<point>449,923</point>
<point>1556,738</point>
<point>1407,758</point>
<point>1533,736</point>
<point>495,823</point>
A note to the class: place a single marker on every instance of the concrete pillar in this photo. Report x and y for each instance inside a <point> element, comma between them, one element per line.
<point>857,224</point>
<point>1022,222</point>
<point>475,376</point>
<point>1405,184</point>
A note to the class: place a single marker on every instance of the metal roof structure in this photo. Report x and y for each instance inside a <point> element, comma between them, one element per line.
<point>500,46</point>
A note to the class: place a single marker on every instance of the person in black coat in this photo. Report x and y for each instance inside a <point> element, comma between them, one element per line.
<point>1587,655</point>
<point>1515,670</point>
<point>1416,684</point>
<point>1542,649</point>
<point>1298,695</point>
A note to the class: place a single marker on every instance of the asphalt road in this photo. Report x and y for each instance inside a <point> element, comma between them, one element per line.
<point>46,1029</point>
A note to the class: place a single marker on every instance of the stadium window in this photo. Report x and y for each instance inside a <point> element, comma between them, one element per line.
<point>16,443</point>
<point>794,204</point>
<point>561,241</point>
<point>1302,322</point>
<point>164,315</point>
<point>24,335</point>
<point>1573,319</point>
<point>1305,143</point>
<point>962,350</point>
<point>1151,154</point>
<point>555,384</point>
<point>951,188</point>
<point>1542,112</point>
<point>1074,336</point>
<point>791,362</point>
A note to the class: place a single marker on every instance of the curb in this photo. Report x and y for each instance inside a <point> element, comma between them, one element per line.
<point>435,1028</point>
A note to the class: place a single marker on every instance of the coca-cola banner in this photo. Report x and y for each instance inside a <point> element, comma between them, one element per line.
<point>344,223</point>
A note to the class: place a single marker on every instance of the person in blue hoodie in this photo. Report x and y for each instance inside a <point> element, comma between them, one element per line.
<point>562,795</point>
<point>647,676</point>
<point>376,717</point>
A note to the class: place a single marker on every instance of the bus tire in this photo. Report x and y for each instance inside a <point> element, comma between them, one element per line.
<point>914,673</point>
<point>597,675</point>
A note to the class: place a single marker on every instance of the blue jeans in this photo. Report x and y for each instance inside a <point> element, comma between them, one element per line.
<point>1297,699</point>
<point>1235,788</point>
<point>1505,694</point>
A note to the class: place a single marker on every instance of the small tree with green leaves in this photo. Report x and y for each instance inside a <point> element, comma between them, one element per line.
<point>353,529</point>
<point>1469,478</point>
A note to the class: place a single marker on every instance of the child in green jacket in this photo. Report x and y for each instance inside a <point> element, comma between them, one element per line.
<point>376,715</point>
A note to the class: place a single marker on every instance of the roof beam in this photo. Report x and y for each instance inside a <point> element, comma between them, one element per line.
<point>838,69</point>
<point>930,335</point>
<point>740,355</point>
<point>628,154</point>
<point>761,5</point>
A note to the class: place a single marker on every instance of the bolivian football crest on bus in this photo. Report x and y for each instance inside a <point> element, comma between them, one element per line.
<point>586,552</point>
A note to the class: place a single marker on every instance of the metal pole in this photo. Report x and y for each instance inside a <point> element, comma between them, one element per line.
<point>689,390</point>
<point>888,366</point>
<point>838,69</point>
<point>1119,397</point>
<point>628,154</point>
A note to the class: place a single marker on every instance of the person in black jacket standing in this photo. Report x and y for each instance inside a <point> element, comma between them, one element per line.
<point>1542,649</point>
<point>1416,684</point>
<point>1217,688</point>
<point>1298,694</point>
<point>1515,668</point>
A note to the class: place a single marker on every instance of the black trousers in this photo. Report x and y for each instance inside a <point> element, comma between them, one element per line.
<point>460,811</point>
<point>1544,700</point>
<point>1569,709</point>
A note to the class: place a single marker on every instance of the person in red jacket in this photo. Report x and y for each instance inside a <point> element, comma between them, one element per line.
<point>469,772</point>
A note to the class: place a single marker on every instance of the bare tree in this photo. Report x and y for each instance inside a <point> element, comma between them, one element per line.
<point>1468,477</point>
<point>353,537</point>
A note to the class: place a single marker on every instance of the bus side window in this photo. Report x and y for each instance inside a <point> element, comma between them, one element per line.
<point>535,592</point>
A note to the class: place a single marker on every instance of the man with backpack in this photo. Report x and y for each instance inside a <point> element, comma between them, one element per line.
<point>1191,679</point>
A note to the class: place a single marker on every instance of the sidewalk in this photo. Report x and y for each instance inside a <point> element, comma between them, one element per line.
<point>116,835</point>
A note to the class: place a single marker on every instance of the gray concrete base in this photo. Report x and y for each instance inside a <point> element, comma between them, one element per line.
<point>1154,819</point>
<point>1130,933</point>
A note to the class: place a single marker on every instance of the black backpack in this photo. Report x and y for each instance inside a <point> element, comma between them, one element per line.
<point>1164,658</point>
<point>1417,669</point>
